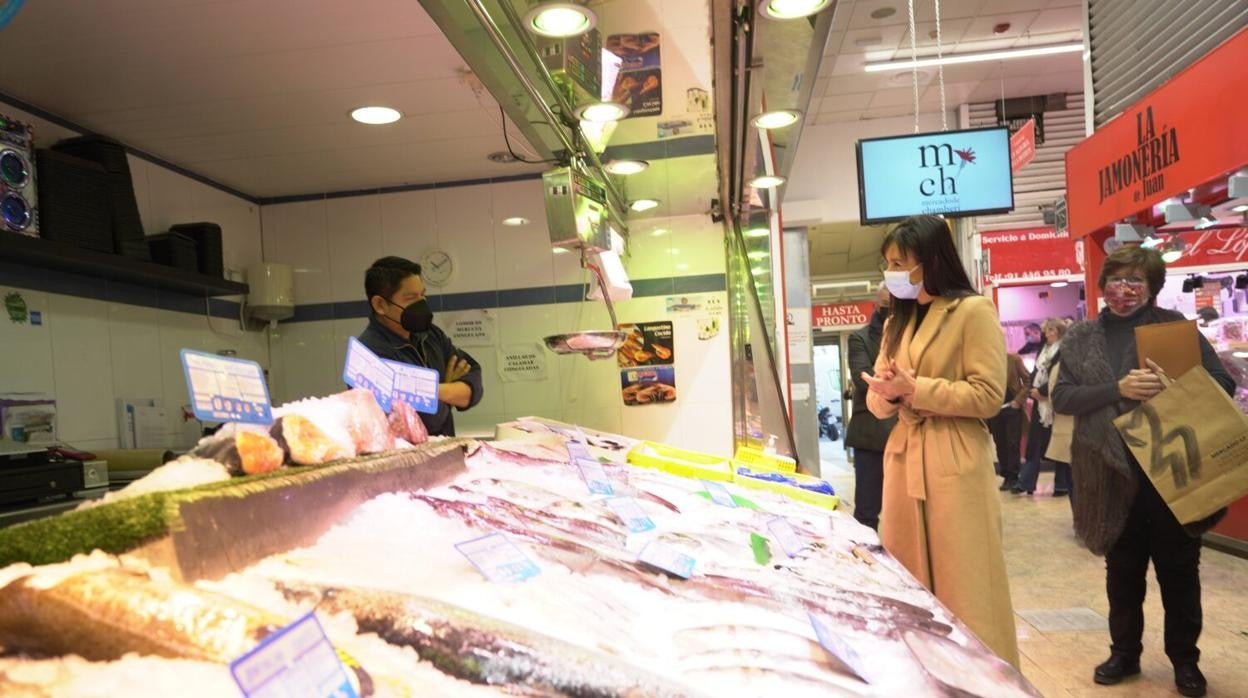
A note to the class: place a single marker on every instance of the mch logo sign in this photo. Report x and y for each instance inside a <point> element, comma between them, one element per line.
<point>952,156</point>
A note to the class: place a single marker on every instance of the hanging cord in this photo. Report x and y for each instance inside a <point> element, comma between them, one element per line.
<point>914,65</point>
<point>507,141</point>
<point>940,72</point>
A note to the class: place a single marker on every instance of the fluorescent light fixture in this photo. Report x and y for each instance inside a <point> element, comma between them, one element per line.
<point>791,9</point>
<point>626,167</point>
<point>1060,284</point>
<point>644,205</point>
<point>601,112</point>
<point>825,285</point>
<point>376,116</point>
<point>767,181</point>
<point>977,57</point>
<point>1240,354</point>
<point>560,19</point>
<point>658,232</point>
<point>776,119</point>
<point>757,233</point>
<point>515,221</point>
<point>757,254</point>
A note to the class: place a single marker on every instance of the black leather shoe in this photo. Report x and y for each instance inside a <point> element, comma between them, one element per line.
<point>1189,680</point>
<point>1008,485</point>
<point>1119,667</point>
<point>1060,493</point>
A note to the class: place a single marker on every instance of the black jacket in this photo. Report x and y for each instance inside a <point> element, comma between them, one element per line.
<point>865,430</point>
<point>430,349</point>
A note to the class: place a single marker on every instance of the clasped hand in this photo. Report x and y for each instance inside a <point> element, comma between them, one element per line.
<point>456,368</point>
<point>1143,384</point>
<point>892,383</point>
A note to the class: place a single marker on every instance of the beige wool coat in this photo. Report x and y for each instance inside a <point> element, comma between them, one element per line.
<point>941,516</point>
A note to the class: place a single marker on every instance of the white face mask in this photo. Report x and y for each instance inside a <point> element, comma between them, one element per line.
<point>898,283</point>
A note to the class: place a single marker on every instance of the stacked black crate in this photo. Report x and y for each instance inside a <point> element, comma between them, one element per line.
<point>127,227</point>
<point>74,201</point>
<point>208,245</point>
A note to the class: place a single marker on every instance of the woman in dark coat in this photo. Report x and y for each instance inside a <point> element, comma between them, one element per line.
<point>1119,513</point>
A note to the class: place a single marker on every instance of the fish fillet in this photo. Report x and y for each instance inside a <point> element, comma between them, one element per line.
<point>406,424</point>
<point>242,451</point>
<point>306,443</point>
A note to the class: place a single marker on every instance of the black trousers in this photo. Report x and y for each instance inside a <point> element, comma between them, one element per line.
<point>1153,533</point>
<point>868,486</point>
<point>1007,433</point>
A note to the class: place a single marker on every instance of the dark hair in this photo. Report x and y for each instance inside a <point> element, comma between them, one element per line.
<point>1032,326</point>
<point>1145,259</point>
<point>386,276</point>
<point>929,241</point>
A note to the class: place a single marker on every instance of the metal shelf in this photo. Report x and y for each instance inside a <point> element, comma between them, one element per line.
<point>50,254</point>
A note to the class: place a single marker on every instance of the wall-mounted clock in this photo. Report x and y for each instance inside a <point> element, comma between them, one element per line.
<point>436,268</point>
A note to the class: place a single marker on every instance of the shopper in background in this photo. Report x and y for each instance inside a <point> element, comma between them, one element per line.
<point>1007,426</point>
<point>941,372</point>
<point>1042,416</point>
<point>401,329</point>
<point>1034,339</point>
<point>868,435</point>
<point>1118,512</point>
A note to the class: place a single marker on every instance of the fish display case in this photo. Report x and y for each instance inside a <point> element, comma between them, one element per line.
<point>540,563</point>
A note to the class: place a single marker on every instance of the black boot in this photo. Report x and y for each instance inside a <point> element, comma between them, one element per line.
<point>1008,485</point>
<point>1117,668</point>
<point>1189,680</point>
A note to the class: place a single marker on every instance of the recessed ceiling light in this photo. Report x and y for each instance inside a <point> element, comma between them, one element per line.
<point>501,157</point>
<point>601,112</point>
<point>560,19</point>
<point>791,9</point>
<point>777,119</point>
<point>883,12</point>
<point>644,205</point>
<point>376,116</point>
<point>515,221</point>
<point>1060,284</point>
<point>757,233</point>
<point>767,181</point>
<point>658,232</point>
<point>626,167</point>
<point>1241,208</point>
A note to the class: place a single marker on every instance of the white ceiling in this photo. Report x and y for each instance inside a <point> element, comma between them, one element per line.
<point>845,92</point>
<point>255,93</point>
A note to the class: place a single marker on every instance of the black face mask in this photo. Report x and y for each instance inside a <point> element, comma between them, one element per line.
<point>417,317</point>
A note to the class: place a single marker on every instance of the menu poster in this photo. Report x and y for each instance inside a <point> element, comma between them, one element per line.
<point>647,344</point>
<point>649,385</point>
<point>639,84</point>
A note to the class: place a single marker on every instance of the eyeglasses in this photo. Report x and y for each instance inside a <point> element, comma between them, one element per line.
<point>1134,283</point>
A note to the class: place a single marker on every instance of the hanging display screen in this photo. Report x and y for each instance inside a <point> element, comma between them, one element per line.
<point>956,173</point>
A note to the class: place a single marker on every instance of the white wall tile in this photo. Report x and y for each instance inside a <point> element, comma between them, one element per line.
<point>409,223</point>
<point>310,363</point>
<point>524,254</point>
<point>295,234</point>
<point>466,232</point>
<point>170,200</point>
<point>82,360</point>
<point>134,341</point>
<point>650,256</point>
<point>354,231</point>
<point>180,331</point>
<point>492,401</point>
<point>697,246</point>
<point>26,365</point>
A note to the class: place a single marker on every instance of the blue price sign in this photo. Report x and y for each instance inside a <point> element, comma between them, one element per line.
<point>631,514</point>
<point>667,558</point>
<point>415,385</point>
<point>498,559</point>
<point>297,660</point>
<point>719,494</point>
<point>595,476</point>
<point>363,369</point>
<point>225,389</point>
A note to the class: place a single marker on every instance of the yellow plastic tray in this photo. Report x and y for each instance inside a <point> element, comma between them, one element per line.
<point>677,461</point>
<point>756,459</point>
<point>797,494</point>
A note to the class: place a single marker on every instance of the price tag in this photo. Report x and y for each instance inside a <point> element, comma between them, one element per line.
<point>631,514</point>
<point>225,389</point>
<point>577,450</point>
<point>839,647</point>
<point>297,660</point>
<point>719,494</point>
<point>415,385</point>
<point>363,369</point>
<point>782,532</point>
<point>667,558</point>
<point>595,476</point>
<point>498,559</point>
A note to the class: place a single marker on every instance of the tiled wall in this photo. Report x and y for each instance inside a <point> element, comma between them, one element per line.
<point>100,341</point>
<point>331,242</point>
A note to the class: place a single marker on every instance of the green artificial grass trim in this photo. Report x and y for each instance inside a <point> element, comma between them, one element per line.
<point>120,526</point>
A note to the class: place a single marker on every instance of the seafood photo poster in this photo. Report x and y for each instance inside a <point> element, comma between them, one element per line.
<point>646,360</point>
<point>639,83</point>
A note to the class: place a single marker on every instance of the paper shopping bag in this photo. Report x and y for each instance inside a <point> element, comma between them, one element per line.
<point>1192,442</point>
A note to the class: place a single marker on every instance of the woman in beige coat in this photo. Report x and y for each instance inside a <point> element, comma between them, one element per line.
<point>941,371</point>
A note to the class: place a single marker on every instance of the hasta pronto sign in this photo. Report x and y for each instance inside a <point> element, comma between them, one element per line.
<point>853,314</point>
